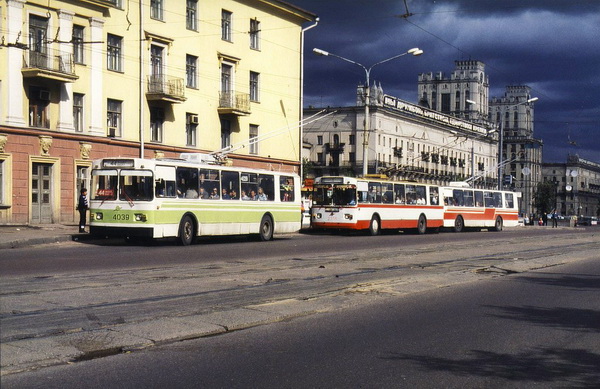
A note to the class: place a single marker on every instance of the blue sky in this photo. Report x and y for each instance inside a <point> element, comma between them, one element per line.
<point>551,45</point>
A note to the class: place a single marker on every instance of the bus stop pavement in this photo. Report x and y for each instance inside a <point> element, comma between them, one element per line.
<point>15,236</point>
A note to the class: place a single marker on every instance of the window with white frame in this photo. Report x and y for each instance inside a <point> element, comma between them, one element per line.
<point>191,128</point>
<point>114,117</point>
<point>156,9</point>
<point>191,71</point>
<point>253,139</point>
<point>77,41</point>
<point>254,34</point>
<point>254,84</point>
<point>226,25</point>
<point>191,15</point>
<point>225,133</point>
<point>114,52</point>
<point>157,119</point>
<point>78,112</point>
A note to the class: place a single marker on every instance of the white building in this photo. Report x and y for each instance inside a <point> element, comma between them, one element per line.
<point>405,141</point>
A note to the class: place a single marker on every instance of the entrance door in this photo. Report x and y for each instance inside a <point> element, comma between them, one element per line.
<point>41,193</point>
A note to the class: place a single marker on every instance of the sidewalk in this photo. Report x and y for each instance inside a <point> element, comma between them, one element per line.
<point>15,236</point>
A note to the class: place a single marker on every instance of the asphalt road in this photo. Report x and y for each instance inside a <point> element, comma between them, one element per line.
<point>533,329</point>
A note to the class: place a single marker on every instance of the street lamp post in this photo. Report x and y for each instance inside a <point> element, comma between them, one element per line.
<point>414,51</point>
<point>501,145</point>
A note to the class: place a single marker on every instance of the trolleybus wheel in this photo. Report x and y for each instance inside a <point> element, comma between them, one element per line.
<point>266,228</point>
<point>459,224</point>
<point>375,226</point>
<point>498,225</point>
<point>186,231</point>
<point>422,225</point>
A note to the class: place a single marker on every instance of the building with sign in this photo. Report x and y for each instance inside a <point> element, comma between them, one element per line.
<point>97,78</point>
<point>405,141</point>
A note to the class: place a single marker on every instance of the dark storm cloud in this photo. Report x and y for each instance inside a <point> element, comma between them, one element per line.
<point>550,45</point>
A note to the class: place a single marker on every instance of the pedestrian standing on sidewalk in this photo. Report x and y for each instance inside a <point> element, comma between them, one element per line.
<point>554,219</point>
<point>82,207</point>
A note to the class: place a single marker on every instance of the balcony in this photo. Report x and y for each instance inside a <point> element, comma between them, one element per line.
<point>231,103</point>
<point>167,89</point>
<point>334,148</point>
<point>52,65</point>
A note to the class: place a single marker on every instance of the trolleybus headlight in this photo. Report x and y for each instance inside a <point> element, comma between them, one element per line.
<point>140,217</point>
<point>97,216</point>
<point>347,216</point>
<point>318,215</point>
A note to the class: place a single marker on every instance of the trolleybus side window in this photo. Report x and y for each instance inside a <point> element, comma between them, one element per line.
<point>249,186</point>
<point>266,187</point>
<point>458,198</point>
<point>210,181</point>
<point>230,185</point>
<point>136,185</point>
<point>488,200</point>
<point>434,197</point>
<point>468,197</point>
<point>104,184</point>
<point>286,191</point>
<point>498,200</point>
<point>387,190</point>
<point>421,194</point>
<point>164,181</point>
<point>399,196</point>
<point>374,192</point>
<point>478,198</point>
<point>411,195</point>
<point>187,182</point>
<point>509,200</point>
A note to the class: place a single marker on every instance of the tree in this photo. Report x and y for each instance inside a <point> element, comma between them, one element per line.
<point>545,197</point>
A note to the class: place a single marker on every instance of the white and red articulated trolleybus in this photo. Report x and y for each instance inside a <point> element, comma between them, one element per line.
<point>350,203</point>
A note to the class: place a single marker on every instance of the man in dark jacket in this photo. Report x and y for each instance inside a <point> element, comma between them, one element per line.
<point>82,207</point>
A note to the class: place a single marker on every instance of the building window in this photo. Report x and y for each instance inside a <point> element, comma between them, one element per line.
<point>114,114</point>
<point>114,52</point>
<point>191,15</point>
<point>225,133</point>
<point>39,99</point>
<point>320,158</point>
<point>253,137</point>
<point>457,102</point>
<point>352,140</point>
<point>156,9</point>
<point>191,71</point>
<point>319,139</point>
<point>157,119</point>
<point>156,62</point>
<point>191,129</point>
<point>254,34</point>
<point>352,157</point>
<point>78,112</point>
<point>254,78</point>
<point>226,25</point>
<point>516,120</point>
<point>77,41</point>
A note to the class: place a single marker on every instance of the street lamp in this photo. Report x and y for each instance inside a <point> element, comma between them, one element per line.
<point>414,51</point>
<point>500,157</point>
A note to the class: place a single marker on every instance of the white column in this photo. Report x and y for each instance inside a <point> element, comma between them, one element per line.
<point>65,107</point>
<point>14,78</point>
<point>95,101</point>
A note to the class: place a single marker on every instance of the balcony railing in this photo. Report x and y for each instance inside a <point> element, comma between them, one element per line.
<point>334,148</point>
<point>234,103</point>
<point>51,64</point>
<point>163,88</point>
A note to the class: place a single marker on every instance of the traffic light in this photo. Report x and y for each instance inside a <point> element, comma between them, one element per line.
<point>508,179</point>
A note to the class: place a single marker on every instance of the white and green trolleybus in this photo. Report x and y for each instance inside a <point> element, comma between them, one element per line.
<point>186,198</point>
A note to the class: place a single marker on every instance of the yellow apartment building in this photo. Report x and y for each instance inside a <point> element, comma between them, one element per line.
<point>87,79</point>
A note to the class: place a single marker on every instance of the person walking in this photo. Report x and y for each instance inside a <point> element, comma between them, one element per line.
<point>554,219</point>
<point>82,207</point>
